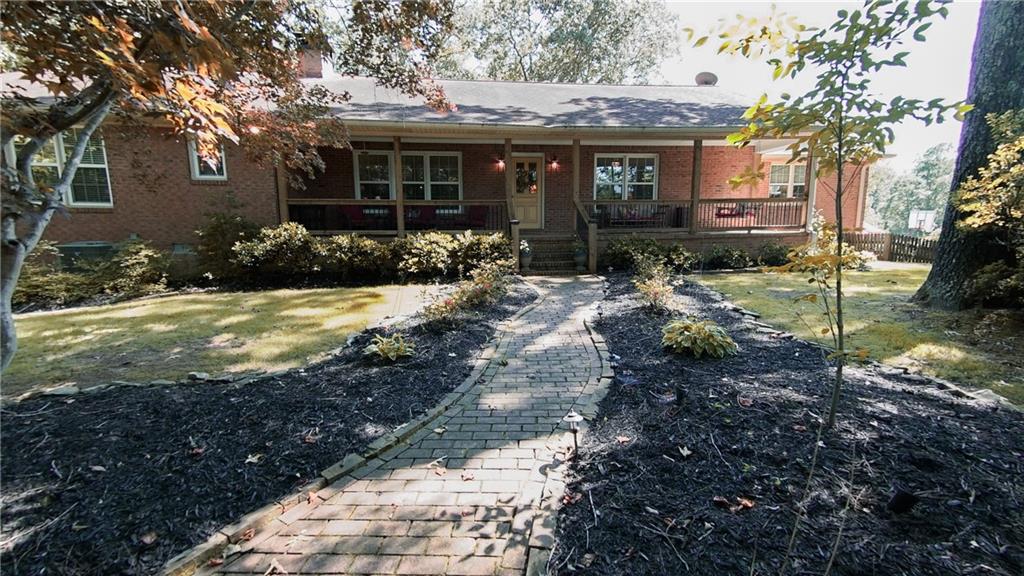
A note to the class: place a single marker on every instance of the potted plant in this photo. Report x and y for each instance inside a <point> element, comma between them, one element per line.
<point>579,255</point>
<point>525,254</point>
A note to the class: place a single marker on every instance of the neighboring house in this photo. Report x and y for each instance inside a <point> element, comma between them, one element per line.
<point>565,160</point>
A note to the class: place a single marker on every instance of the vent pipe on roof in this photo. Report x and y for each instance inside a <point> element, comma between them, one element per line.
<point>706,79</point>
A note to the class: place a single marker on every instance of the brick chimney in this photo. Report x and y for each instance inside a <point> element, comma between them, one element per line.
<point>311,64</point>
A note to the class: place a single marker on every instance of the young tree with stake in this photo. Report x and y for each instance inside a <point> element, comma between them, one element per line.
<point>839,124</point>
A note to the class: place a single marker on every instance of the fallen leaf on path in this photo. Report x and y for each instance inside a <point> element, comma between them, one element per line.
<point>745,402</point>
<point>622,439</point>
<point>440,471</point>
<point>468,475</point>
<point>440,430</point>
<point>247,535</point>
<point>215,562</point>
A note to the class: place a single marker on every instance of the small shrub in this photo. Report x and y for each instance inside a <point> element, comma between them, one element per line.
<point>215,249</point>
<point>279,253</point>
<point>473,251</point>
<point>389,348</point>
<point>137,269</point>
<point>680,259</point>
<point>345,257</point>
<point>698,338</point>
<point>43,283</point>
<point>998,284</point>
<point>725,257</point>
<point>655,292</point>
<point>486,284</point>
<point>772,254</point>
<point>430,255</point>
<point>817,257</point>
<point>624,252</point>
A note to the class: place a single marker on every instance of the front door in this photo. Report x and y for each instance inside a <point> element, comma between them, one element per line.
<point>529,192</point>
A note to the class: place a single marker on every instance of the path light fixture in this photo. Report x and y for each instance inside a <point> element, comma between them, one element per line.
<point>574,420</point>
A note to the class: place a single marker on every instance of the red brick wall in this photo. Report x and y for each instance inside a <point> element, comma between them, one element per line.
<point>155,197</point>
<point>825,192</point>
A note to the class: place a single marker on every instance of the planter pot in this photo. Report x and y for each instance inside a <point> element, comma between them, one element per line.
<point>524,261</point>
<point>581,261</point>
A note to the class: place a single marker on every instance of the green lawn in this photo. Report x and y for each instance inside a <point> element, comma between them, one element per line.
<point>165,338</point>
<point>974,347</point>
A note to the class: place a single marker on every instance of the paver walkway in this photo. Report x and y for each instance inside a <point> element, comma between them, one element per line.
<point>473,492</point>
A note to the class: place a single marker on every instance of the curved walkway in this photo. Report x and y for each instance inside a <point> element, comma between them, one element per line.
<point>474,491</point>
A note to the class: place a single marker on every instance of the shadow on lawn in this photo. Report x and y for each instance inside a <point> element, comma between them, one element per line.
<point>666,480</point>
<point>121,480</point>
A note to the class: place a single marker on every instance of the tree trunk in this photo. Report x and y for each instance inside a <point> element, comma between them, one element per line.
<point>996,85</point>
<point>12,256</point>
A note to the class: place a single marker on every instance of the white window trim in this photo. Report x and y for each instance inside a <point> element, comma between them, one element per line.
<point>625,172</point>
<point>194,160</point>
<point>356,154</point>
<point>60,158</point>
<point>427,194</point>
<point>790,183</point>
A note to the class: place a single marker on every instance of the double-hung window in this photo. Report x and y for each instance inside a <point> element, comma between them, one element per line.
<point>425,175</point>
<point>625,176</point>
<point>202,168</point>
<point>91,184</point>
<point>373,175</point>
<point>432,175</point>
<point>787,181</point>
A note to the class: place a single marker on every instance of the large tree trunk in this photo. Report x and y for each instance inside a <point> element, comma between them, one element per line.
<point>996,85</point>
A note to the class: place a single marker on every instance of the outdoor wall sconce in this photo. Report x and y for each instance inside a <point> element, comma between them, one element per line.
<point>553,162</point>
<point>500,162</point>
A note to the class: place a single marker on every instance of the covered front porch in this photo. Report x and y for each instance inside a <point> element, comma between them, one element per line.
<point>589,188</point>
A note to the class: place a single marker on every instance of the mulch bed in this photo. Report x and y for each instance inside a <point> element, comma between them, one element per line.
<point>120,481</point>
<point>748,424</point>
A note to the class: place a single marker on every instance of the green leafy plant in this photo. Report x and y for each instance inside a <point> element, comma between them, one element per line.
<point>699,338</point>
<point>725,258</point>
<point>772,254</point>
<point>389,348</point>
<point>43,283</point>
<point>136,269</point>
<point>430,254</point>
<point>215,249</point>
<point>680,259</point>
<point>486,284</point>
<point>287,252</point>
<point>624,252</point>
<point>652,281</point>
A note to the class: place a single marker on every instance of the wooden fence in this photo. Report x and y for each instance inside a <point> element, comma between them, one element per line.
<point>893,247</point>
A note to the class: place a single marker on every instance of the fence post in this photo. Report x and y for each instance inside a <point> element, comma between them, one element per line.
<point>592,247</point>
<point>887,247</point>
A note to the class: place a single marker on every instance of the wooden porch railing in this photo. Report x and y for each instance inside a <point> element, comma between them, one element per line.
<point>586,231</point>
<point>751,214</point>
<point>638,214</point>
<point>334,215</point>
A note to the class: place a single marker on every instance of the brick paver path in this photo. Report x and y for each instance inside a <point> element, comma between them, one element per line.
<point>475,491</point>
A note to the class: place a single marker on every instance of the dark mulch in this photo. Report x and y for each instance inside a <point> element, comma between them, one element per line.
<point>750,422</point>
<point>120,481</point>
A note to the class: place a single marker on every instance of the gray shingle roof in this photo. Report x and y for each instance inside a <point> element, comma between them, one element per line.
<point>547,105</point>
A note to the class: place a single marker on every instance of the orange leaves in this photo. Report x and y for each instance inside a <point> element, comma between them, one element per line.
<point>739,505</point>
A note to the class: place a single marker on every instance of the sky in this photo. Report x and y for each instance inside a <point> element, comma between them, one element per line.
<point>936,68</point>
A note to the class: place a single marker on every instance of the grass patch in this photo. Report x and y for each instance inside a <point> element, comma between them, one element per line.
<point>144,340</point>
<point>980,348</point>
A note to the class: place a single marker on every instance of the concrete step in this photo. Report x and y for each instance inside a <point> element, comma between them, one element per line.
<point>553,265</point>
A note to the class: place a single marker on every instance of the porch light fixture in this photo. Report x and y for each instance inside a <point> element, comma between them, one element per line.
<point>500,162</point>
<point>554,162</point>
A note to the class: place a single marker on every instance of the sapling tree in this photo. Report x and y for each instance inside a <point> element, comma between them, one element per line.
<point>212,71</point>
<point>840,123</point>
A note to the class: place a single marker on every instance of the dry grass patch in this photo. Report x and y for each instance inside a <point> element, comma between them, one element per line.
<point>980,348</point>
<point>168,337</point>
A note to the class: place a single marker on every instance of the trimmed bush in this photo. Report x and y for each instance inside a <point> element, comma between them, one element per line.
<point>430,255</point>
<point>698,338</point>
<point>635,251</point>
<point>348,257</point>
<point>215,249</point>
<point>772,254</point>
<point>137,269</point>
<point>725,257</point>
<point>287,252</point>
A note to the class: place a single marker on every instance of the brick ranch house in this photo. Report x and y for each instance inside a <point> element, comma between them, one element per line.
<point>550,163</point>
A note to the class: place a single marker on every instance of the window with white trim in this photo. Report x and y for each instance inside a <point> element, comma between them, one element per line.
<point>432,175</point>
<point>206,168</point>
<point>373,175</point>
<point>625,176</point>
<point>91,184</point>
<point>787,181</point>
